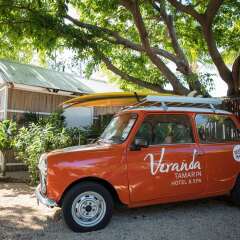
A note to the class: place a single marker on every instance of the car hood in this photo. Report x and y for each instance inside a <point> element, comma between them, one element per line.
<point>88,147</point>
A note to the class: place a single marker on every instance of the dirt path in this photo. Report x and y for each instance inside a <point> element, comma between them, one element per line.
<point>21,218</point>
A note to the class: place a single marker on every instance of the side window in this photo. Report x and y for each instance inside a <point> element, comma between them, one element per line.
<point>145,132</point>
<point>166,129</point>
<point>216,128</point>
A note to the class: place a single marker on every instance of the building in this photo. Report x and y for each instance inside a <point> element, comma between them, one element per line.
<point>30,89</point>
<point>26,88</point>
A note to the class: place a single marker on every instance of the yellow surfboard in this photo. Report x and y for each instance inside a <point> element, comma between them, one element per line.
<point>107,99</point>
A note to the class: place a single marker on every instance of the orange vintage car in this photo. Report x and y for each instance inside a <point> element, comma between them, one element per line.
<point>164,149</point>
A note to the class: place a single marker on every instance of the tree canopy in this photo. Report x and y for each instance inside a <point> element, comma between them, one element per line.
<point>148,43</point>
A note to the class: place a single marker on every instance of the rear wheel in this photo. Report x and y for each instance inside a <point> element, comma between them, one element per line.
<point>87,207</point>
<point>235,193</point>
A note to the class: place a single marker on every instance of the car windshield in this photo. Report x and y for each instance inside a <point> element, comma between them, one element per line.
<point>119,128</point>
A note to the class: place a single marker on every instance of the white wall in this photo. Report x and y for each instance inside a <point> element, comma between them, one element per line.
<point>2,97</point>
<point>3,102</point>
<point>78,117</point>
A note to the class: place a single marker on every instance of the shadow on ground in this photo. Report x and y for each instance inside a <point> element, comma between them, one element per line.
<point>15,189</point>
<point>21,218</point>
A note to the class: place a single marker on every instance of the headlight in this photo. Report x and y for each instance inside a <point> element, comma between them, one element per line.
<point>42,165</point>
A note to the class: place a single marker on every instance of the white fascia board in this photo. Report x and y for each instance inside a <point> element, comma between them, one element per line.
<point>22,111</point>
<point>42,90</point>
<point>179,99</point>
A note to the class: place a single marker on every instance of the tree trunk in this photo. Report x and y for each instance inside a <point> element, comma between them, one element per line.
<point>223,70</point>
<point>3,164</point>
<point>236,78</point>
<point>225,73</point>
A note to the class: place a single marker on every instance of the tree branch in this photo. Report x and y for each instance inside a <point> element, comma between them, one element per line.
<point>13,22</point>
<point>223,70</point>
<point>183,66</point>
<point>189,9</point>
<point>19,7</point>
<point>212,9</point>
<point>206,21</point>
<point>134,80</point>
<point>236,75</point>
<point>168,20</point>
<point>133,7</point>
<point>117,39</point>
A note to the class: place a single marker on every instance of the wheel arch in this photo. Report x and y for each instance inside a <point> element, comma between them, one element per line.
<point>100,181</point>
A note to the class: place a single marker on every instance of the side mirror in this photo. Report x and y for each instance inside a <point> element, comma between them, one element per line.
<point>138,144</point>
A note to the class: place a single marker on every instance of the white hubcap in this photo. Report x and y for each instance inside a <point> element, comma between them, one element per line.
<point>88,209</point>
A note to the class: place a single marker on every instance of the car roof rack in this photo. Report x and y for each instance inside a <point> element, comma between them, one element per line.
<point>178,101</point>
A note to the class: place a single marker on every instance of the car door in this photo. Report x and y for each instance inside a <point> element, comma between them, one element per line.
<point>171,165</point>
<point>218,138</point>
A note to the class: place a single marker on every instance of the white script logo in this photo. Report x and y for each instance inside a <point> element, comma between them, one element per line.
<point>171,167</point>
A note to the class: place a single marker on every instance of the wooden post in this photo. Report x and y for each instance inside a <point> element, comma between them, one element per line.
<point>2,164</point>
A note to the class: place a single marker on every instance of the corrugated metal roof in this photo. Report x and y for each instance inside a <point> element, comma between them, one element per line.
<point>40,77</point>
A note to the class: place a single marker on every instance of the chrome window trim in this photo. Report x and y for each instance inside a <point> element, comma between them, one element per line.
<point>173,144</point>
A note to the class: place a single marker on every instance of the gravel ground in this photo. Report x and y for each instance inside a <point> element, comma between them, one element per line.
<point>21,218</point>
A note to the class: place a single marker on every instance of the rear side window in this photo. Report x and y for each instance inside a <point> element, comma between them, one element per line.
<point>216,128</point>
<point>166,129</point>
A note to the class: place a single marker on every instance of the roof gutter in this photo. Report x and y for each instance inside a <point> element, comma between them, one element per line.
<point>39,89</point>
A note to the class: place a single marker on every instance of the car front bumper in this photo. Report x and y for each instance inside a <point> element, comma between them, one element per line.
<point>44,200</point>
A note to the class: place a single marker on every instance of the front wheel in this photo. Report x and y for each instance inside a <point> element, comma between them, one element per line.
<point>87,207</point>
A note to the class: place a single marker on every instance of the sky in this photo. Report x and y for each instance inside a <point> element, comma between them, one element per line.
<point>220,87</point>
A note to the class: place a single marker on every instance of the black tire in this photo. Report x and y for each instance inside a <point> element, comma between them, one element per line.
<point>235,193</point>
<point>74,193</point>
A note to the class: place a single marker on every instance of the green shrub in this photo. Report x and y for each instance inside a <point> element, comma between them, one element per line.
<point>56,119</point>
<point>28,118</point>
<point>7,133</point>
<point>78,136</point>
<point>31,142</point>
<point>46,135</point>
